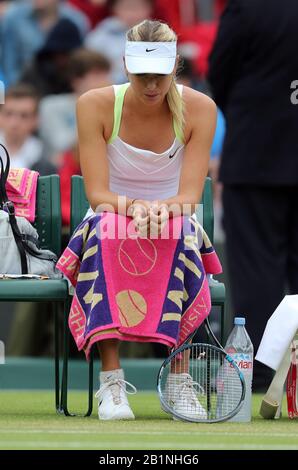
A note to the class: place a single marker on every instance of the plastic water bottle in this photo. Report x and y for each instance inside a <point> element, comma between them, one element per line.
<point>240,348</point>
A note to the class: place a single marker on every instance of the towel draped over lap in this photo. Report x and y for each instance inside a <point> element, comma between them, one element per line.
<point>137,289</point>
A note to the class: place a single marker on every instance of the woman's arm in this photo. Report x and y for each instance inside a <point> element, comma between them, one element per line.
<point>200,126</point>
<point>92,110</point>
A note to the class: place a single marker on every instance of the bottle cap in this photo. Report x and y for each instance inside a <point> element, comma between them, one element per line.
<point>239,321</point>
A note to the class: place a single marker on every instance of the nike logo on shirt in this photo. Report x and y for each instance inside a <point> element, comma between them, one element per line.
<point>150,50</point>
<point>171,156</point>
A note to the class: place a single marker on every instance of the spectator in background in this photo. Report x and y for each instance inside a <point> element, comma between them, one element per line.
<point>25,26</point>
<point>178,13</point>
<point>109,36</point>
<point>215,156</point>
<point>194,33</point>
<point>3,7</point>
<point>188,76</point>
<point>86,70</point>
<point>18,123</point>
<point>95,10</point>
<point>252,66</point>
<point>49,71</point>
<point>69,166</point>
<point>219,7</point>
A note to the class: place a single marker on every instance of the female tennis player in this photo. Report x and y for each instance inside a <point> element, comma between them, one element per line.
<point>147,141</point>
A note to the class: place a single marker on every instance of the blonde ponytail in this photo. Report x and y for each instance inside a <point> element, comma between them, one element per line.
<point>175,103</point>
<point>155,31</point>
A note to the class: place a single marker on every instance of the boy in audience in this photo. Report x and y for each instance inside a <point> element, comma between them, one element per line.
<point>86,70</point>
<point>18,123</point>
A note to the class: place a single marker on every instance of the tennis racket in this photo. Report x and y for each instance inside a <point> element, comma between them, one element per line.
<point>292,389</point>
<point>200,382</point>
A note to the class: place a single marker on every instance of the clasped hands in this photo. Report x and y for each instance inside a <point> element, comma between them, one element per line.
<point>149,218</point>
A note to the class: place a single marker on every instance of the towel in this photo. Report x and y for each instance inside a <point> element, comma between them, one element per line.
<point>135,288</point>
<point>16,181</point>
<point>279,332</point>
<point>21,188</point>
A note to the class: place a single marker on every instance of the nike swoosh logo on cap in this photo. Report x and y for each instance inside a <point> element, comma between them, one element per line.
<point>171,156</point>
<point>150,50</point>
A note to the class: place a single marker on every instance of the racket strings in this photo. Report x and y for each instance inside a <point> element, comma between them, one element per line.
<point>201,384</point>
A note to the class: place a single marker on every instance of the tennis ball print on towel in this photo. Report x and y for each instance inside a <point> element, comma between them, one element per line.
<point>137,256</point>
<point>132,307</point>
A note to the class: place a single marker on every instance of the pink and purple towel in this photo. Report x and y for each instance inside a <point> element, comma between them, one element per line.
<point>137,289</point>
<point>21,188</point>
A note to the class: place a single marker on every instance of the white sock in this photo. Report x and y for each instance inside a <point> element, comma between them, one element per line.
<point>177,377</point>
<point>111,374</point>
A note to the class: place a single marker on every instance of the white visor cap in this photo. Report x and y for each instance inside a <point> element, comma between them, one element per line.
<point>150,57</point>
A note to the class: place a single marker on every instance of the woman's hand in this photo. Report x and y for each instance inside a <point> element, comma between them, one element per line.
<point>139,211</point>
<point>150,218</point>
<point>159,217</point>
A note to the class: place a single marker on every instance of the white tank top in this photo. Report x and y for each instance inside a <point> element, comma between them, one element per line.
<point>139,173</point>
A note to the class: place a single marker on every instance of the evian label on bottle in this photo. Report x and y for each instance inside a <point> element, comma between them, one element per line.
<point>243,361</point>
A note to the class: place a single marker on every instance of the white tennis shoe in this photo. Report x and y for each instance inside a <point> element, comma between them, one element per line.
<point>182,396</point>
<point>112,397</point>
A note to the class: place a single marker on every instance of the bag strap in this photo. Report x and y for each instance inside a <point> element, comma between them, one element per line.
<point>17,236</point>
<point>29,238</point>
<point>9,206</point>
<point>20,239</point>
<point>43,256</point>
<point>4,176</point>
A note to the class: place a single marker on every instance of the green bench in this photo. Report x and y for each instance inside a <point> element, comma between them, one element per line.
<point>48,225</point>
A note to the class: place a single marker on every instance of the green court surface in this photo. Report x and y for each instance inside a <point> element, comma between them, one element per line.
<point>28,421</point>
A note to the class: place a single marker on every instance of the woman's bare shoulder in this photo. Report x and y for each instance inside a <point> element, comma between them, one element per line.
<point>195,101</point>
<point>95,109</point>
<point>199,110</point>
<point>99,100</point>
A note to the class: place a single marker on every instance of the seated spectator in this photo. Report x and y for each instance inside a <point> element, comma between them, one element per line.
<point>18,123</point>
<point>187,76</point>
<point>220,6</point>
<point>25,27</point>
<point>2,87</point>
<point>3,7</point>
<point>95,10</point>
<point>109,36</point>
<point>184,17</point>
<point>49,71</point>
<point>215,154</point>
<point>200,38</point>
<point>87,69</point>
<point>177,13</point>
<point>70,166</point>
